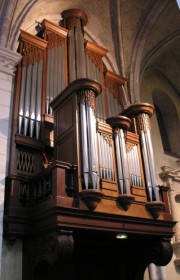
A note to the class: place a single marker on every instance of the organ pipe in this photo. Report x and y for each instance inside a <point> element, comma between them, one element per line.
<point>90,164</point>
<point>120,124</point>
<point>142,113</point>
<point>39,97</point>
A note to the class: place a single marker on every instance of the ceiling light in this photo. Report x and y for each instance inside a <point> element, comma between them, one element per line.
<point>121,236</point>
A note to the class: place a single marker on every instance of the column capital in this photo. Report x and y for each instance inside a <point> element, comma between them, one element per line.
<point>8,60</point>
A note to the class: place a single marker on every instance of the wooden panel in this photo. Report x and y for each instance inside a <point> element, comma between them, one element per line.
<point>67,150</point>
<point>64,118</point>
<point>140,194</point>
<point>109,188</point>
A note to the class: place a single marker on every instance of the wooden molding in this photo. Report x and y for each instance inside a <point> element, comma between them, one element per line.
<point>52,27</point>
<point>33,40</point>
<point>77,13</point>
<point>139,108</point>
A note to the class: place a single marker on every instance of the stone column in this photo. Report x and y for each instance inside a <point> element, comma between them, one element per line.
<point>8,61</point>
<point>171,179</point>
<point>156,272</point>
<point>5,20</point>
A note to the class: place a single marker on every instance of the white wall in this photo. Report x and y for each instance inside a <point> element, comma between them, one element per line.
<point>8,60</point>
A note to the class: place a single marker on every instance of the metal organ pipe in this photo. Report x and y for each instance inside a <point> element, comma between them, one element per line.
<point>39,97</point>
<point>71,53</point>
<point>55,73</point>
<point>48,81</point>
<point>22,98</point>
<point>75,20</point>
<point>151,164</point>
<point>124,161</point>
<point>120,124</point>
<point>146,164</point>
<point>119,164</point>
<point>33,98</point>
<point>90,165</point>
<point>142,113</point>
<point>80,55</point>
<point>91,119</point>
<point>84,140</point>
<point>27,99</point>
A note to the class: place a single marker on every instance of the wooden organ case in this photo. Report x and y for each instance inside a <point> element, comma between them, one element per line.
<point>81,166</point>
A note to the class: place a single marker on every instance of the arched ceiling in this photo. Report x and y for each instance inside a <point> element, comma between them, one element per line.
<point>160,45</point>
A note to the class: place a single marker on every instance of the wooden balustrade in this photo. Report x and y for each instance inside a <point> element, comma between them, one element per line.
<point>59,179</point>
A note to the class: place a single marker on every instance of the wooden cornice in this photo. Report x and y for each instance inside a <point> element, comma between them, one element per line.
<point>52,27</point>
<point>115,77</point>
<point>83,83</point>
<point>95,48</point>
<point>33,40</point>
<point>139,108</point>
<point>75,13</point>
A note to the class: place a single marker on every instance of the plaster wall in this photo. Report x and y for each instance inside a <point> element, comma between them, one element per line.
<point>5,100</point>
<point>153,80</point>
<point>12,260</point>
<point>8,60</point>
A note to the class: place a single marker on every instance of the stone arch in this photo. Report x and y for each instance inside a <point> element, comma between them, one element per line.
<point>138,49</point>
<point>168,121</point>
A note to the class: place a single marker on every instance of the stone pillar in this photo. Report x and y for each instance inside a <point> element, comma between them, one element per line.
<point>171,179</point>
<point>156,272</point>
<point>8,61</point>
<point>5,20</point>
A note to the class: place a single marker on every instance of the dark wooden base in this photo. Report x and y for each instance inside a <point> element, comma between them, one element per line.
<point>95,255</point>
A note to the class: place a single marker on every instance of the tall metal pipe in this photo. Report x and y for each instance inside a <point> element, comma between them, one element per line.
<point>142,113</point>
<point>120,124</point>
<point>39,97</point>
<point>74,21</point>
<point>90,162</point>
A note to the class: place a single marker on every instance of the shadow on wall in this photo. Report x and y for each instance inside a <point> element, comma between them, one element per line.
<point>168,121</point>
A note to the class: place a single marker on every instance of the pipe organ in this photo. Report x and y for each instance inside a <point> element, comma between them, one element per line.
<point>31,86</point>
<point>74,145</point>
<point>109,157</point>
<point>110,154</point>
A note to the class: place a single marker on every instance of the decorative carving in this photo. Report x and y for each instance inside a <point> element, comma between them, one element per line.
<point>107,138</point>
<point>91,197</point>
<point>31,54</point>
<point>55,40</point>
<point>88,97</point>
<point>130,146</point>
<point>116,90</point>
<point>96,59</point>
<point>116,131</point>
<point>143,122</point>
<point>25,162</point>
<point>8,61</point>
<point>125,200</point>
<point>155,208</point>
<point>159,252</point>
<point>50,247</point>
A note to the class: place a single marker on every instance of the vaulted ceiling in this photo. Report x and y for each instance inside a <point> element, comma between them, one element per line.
<point>149,30</point>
